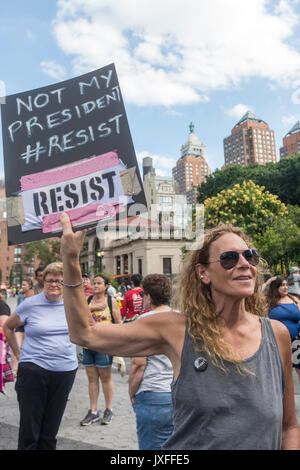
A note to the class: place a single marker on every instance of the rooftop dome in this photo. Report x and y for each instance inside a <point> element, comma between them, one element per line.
<point>249,116</point>
<point>294,130</point>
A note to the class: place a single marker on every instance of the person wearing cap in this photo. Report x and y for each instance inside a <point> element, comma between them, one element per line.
<point>294,282</point>
<point>87,286</point>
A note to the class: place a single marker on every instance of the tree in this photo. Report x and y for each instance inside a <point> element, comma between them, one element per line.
<point>47,251</point>
<point>246,205</point>
<point>279,245</point>
<point>281,179</point>
<point>11,277</point>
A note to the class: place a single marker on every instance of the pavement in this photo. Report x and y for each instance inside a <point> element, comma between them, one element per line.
<point>119,435</point>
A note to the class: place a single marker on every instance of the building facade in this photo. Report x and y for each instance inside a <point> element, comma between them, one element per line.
<point>151,242</point>
<point>251,141</point>
<point>191,168</point>
<point>291,142</point>
<point>12,265</point>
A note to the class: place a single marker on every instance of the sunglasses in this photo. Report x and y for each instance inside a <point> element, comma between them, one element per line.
<point>229,259</point>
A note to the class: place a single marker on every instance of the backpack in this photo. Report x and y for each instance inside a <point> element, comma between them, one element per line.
<point>109,303</point>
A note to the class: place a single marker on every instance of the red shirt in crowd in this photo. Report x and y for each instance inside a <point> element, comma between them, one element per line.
<point>132,303</point>
<point>88,290</point>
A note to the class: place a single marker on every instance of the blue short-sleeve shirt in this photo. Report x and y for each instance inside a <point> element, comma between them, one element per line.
<point>46,336</point>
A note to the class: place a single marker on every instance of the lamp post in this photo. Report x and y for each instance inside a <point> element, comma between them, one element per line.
<point>99,254</point>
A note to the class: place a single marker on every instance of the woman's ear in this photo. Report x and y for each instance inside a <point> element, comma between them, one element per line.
<point>202,274</point>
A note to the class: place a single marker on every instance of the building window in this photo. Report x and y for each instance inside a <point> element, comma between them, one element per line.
<point>167,266</point>
<point>140,266</point>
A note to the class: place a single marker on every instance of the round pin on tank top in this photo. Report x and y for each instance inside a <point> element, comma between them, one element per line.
<point>200,364</point>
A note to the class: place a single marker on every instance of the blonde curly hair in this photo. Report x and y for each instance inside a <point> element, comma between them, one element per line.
<point>194,298</point>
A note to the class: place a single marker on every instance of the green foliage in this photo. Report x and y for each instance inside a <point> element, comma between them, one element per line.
<point>247,205</point>
<point>280,243</point>
<point>281,178</point>
<point>47,251</point>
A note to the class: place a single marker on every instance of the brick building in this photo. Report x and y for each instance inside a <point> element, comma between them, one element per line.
<point>12,265</point>
<point>251,141</point>
<point>291,142</point>
<point>191,168</point>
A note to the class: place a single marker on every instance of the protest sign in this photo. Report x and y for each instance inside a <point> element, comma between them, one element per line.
<point>67,148</point>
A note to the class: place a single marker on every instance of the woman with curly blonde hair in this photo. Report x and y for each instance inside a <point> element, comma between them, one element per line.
<point>233,386</point>
<point>196,299</point>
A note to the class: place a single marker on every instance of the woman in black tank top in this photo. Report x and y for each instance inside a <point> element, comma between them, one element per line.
<point>220,337</point>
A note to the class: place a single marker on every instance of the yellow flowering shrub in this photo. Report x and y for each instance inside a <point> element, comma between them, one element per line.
<point>246,205</point>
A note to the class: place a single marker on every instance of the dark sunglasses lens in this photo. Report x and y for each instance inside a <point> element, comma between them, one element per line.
<point>252,257</point>
<point>229,259</point>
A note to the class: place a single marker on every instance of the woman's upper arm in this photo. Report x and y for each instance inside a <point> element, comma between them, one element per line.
<point>143,337</point>
<point>284,344</point>
<point>13,322</point>
<point>3,319</point>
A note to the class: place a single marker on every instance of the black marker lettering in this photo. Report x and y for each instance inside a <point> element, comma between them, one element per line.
<point>73,196</point>
<point>84,192</point>
<point>109,176</point>
<point>52,193</point>
<point>43,202</point>
<point>36,204</point>
<point>98,188</point>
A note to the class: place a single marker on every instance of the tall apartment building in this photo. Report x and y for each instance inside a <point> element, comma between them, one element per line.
<point>162,192</point>
<point>291,142</point>
<point>191,168</point>
<point>251,141</point>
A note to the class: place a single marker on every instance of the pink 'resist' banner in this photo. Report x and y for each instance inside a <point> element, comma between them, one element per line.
<point>67,172</point>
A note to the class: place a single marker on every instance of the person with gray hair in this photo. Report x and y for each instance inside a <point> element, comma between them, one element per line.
<point>47,362</point>
<point>151,377</point>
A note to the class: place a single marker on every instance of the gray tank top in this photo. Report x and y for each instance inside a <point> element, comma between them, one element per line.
<point>229,411</point>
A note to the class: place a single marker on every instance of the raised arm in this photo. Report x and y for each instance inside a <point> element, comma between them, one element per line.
<point>143,338</point>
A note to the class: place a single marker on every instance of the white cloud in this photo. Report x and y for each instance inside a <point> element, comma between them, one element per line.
<point>53,69</point>
<point>239,110</point>
<point>176,52</point>
<point>162,164</point>
<point>289,121</point>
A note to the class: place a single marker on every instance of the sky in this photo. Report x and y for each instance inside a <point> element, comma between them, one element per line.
<point>177,62</point>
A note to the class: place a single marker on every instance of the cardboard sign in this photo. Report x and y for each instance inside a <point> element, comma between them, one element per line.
<point>67,148</point>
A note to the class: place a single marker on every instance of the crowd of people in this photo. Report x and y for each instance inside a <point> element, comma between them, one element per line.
<point>211,357</point>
